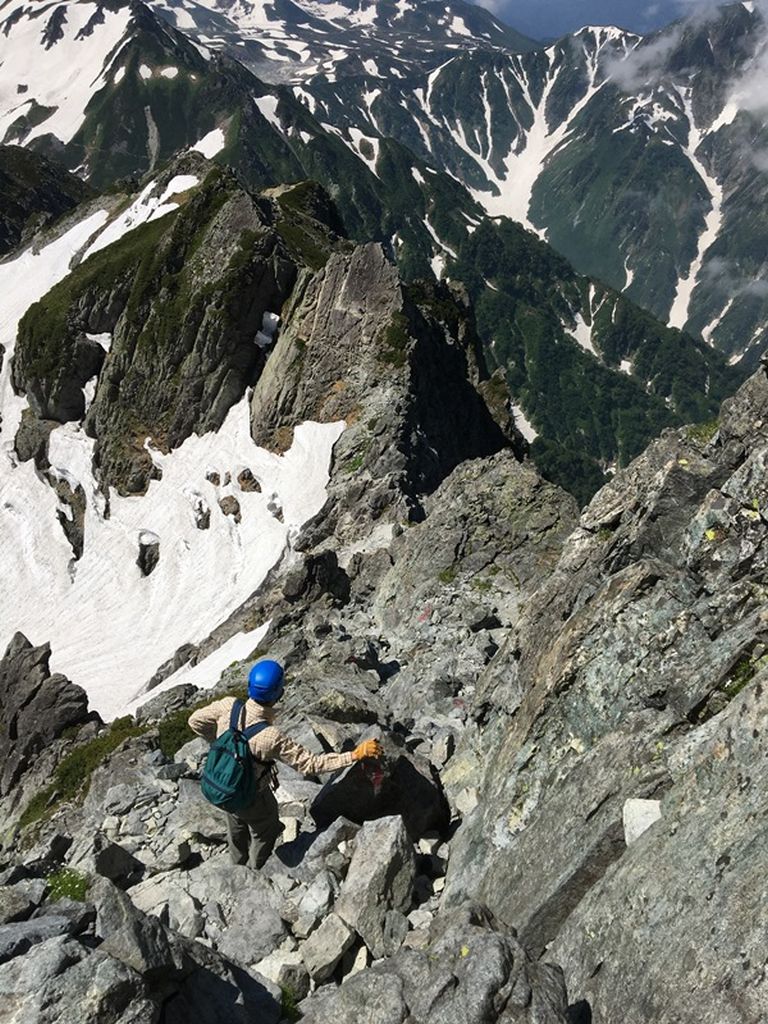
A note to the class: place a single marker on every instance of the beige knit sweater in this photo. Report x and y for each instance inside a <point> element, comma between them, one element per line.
<point>268,745</point>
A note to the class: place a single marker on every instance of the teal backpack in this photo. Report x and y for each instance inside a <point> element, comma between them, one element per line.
<point>229,778</point>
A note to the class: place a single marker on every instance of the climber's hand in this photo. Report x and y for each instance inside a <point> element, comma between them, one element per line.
<point>368,748</point>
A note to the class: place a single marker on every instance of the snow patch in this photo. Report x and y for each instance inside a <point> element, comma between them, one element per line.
<point>146,208</point>
<point>206,673</point>
<point>267,106</point>
<point>110,626</point>
<point>169,72</point>
<point>459,27</point>
<point>210,144</point>
<point>105,340</point>
<point>680,311</point>
<point>523,424</point>
<point>583,335</point>
<point>145,72</point>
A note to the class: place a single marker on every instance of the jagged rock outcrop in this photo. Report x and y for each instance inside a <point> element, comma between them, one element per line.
<point>35,192</point>
<point>399,365</point>
<point>35,709</point>
<point>637,670</point>
<point>184,299</point>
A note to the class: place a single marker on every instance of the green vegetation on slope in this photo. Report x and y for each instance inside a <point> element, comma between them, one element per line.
<point>527,300</point>
<point>72,776</point>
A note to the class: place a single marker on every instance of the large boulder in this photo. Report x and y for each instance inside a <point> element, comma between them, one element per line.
<point>470,973</point>
<point>401,783</point>
<point>326,946</point>
<point>61,980</point>
<point>136,939</point>
<point>233,908</point>
<point>379,884</point>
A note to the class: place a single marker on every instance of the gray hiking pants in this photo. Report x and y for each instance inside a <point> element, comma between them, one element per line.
<point>252,834</point>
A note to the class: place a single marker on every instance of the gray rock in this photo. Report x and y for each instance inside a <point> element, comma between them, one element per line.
<point>192,754</point>
<point>326,946</point>
<point>47,985</point>
<point>166,897</point>
<point>164,704</point>
<point>19,900</point>
<point>132,937</point>
<point>194,816</point>
<point>35,709</point>
<point>286,969</point>
<point>254,928</point>
<point>401,783</point>
<point>317,899</point>
<point>380,880</point>
<point>692,884</point>
<point>20,936</point>
<point>114,862</point>
<point>469,974</point>
<point>149,552</point>
<point>642,651</point>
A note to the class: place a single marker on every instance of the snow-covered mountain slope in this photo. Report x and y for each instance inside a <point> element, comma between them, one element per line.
<point>54,60</point>
<point>641,160</point>
<point>290,40</point>
<point>157,94</point>
<point>128,579</point>
<point>378,143</point>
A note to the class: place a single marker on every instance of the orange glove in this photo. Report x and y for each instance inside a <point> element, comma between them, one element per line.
<point>368,748</point>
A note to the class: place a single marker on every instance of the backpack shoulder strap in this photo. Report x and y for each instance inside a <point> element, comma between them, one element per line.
<point>254,730</point>
<point>234,714</point>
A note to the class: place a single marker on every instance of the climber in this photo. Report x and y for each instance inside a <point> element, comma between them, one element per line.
<point>253,832</point>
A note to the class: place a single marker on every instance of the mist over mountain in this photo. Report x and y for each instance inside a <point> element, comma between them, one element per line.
<point>550,19</point>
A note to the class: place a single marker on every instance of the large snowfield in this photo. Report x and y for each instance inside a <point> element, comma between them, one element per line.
<point>111,627</point>
<point>59,74</point>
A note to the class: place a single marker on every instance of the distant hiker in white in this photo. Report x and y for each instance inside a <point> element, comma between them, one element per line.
<point>239,772</point>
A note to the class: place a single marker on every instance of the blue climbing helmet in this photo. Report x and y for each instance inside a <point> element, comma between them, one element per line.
<point>265,681</point>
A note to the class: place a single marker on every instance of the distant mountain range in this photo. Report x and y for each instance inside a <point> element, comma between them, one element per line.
<point>637,159</point>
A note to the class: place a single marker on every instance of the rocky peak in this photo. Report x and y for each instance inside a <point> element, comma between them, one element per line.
<point>183,299</point>
<point>37,707</point>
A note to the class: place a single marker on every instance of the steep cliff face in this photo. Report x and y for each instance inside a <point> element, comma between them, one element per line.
<point>636,672</point>
<point>35,192</point>
<point>178,304</point>
<point>400,364</point>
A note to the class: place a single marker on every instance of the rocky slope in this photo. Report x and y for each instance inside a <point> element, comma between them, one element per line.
<point>570,711</point>
<point>636,672</point>
<point>167,923</point>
